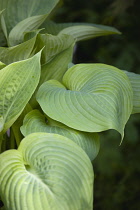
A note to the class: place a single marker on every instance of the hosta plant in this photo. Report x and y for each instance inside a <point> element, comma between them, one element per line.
<point>52,111</point>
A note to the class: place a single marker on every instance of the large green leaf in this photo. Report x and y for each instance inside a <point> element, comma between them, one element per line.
<point>18,81</point>
<point>135,82</point>
<point>17,10</point>
<point>20,52</point>
<point>36,122</point>
<point>47,172</point>
<point>92,98</point>
<point>80,31</point>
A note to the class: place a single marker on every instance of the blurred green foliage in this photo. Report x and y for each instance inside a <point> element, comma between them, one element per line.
<point>117,168</point>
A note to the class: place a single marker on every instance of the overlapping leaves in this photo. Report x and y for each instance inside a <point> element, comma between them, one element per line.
<point>18,52</point>
<point>53,45</point>
<point>52,171</point>
<point>36,122</point>
<point>29,16</point>
<point>92,98</point>
<point>80,31</point>
<point>56,56</point>
<point>48,171</point>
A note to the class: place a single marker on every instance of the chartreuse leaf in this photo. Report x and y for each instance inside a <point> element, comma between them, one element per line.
<point>48,171</point>
<point>18,81</point>
<point>20,52</point>
<point>135,82</point>
<point>80,31</point>
<point>92,98</point>
<point>17,10</point>
<point>53,45</point>
<point>36,122</point>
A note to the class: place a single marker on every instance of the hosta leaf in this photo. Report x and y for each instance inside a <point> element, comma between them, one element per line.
<point>35,122</point>
<point>17,10</point>
<point>18,81</point>
<point>53,45</point>
<point>56,68</point>
<point>48,171</point>
<point>80,31</point>
<point>92,98</point>
<point>135,82</point>
<point>56,55</point>
<point>84,32</point>
<point>20,52</point>
<point>16,35</point>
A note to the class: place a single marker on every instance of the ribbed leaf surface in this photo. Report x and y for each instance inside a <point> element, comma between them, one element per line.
<point>56,68</point>
<point>16,35</point>
<point>17,10</point>
<point>18,81</point>
<point>80,31</point>
<point>84,32</point>
<point>135,82</point>
<point>48,171</point>
<point>92,98</point>
<point>35,122</point>
<point>56,56</point>
<point>17,53</point>
<point>53,45</point>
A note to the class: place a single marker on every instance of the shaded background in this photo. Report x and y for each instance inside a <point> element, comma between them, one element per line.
<point>117,168</point>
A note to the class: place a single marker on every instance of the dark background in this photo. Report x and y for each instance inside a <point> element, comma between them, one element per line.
<point>117,168</point>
